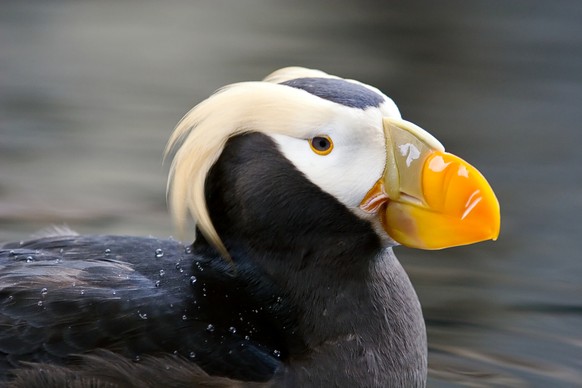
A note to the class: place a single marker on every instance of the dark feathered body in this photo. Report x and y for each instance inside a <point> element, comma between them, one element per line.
<point>310,298</point>
<point>65,296</point>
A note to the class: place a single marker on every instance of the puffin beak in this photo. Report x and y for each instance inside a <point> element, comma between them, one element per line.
<point>428,198</point>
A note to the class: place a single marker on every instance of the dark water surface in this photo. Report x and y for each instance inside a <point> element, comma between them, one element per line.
<point>90,91</point>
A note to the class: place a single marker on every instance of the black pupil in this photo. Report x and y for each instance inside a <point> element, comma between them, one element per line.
<point>321,143</point>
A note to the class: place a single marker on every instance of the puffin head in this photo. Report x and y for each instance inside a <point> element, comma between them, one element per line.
<point>345,138</point>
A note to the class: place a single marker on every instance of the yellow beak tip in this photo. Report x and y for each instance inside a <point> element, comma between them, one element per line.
<point>460,207</point>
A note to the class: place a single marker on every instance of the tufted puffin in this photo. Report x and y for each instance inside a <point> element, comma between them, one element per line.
<point>299,186</point>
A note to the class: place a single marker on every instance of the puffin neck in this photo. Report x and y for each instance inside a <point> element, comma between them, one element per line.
<point>350,294</point>
<point>262,206</point>
<point>270,216</point>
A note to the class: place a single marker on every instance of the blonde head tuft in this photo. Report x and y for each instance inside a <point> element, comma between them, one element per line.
<point>289,73</point>
<point>200,137</point>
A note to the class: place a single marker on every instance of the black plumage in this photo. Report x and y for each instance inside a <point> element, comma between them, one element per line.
<point>340,91</point>
<point>113,292</point>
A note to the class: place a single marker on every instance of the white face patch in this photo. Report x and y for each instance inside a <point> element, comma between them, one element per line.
<point>356,161</point>
<point>291,116</point>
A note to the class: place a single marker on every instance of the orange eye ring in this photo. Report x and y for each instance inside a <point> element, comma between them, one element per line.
<point>321,145</point>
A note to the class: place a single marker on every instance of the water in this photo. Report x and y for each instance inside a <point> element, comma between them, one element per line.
<point>90,91</point>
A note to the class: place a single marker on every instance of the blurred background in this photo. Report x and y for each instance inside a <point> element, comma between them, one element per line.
<point>90,91</point>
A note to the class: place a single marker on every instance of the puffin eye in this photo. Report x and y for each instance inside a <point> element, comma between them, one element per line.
<point>321,145</point>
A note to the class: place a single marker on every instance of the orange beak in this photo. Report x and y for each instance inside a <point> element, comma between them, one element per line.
<point>428,198</point>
